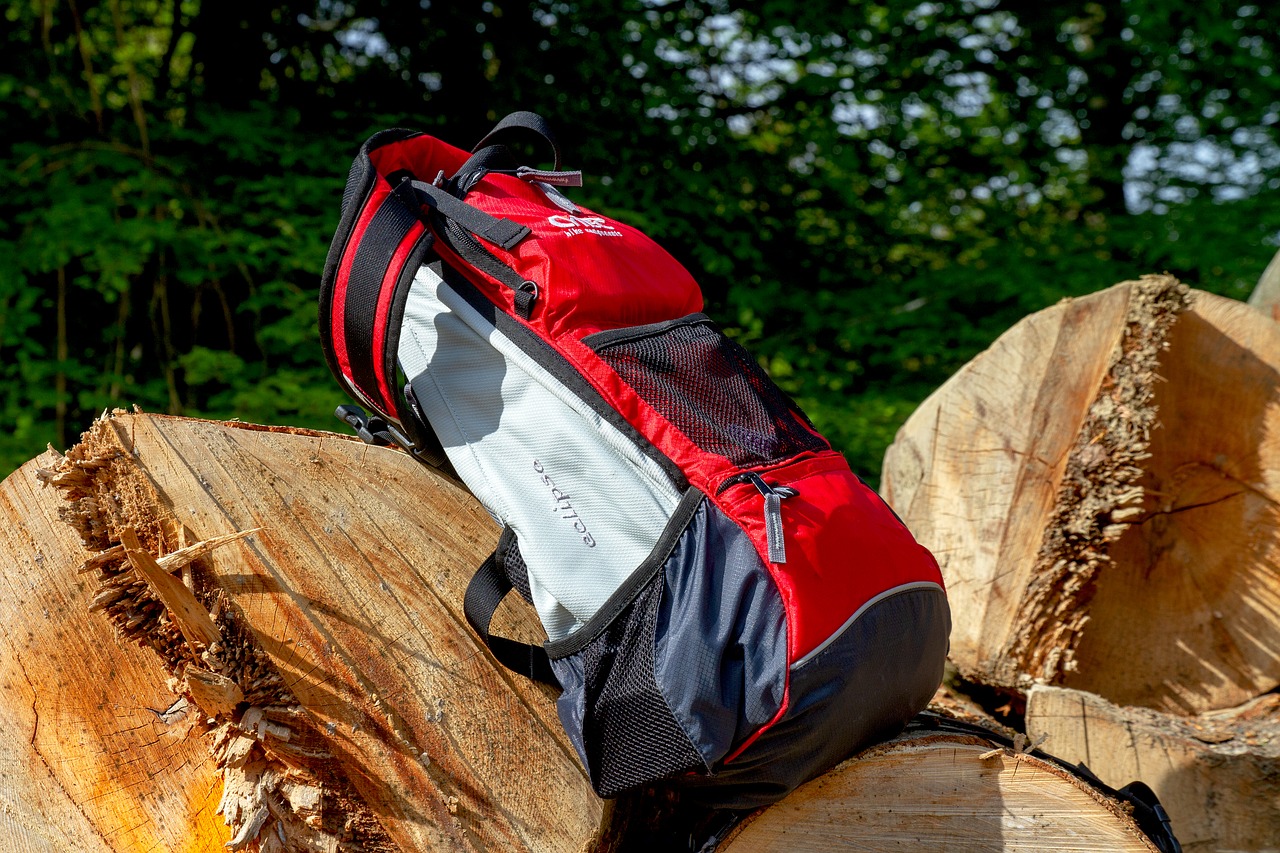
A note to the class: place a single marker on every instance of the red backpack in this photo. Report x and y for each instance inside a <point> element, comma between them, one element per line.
<point>727,605</point>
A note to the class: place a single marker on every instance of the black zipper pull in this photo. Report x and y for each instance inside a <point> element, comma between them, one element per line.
<point>773,495</point>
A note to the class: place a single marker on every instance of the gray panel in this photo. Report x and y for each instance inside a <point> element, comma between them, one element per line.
<point>571,705</point>
<point>722,638</point>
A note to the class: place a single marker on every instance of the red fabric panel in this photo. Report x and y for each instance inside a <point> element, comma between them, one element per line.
<point>593,273</point>
<point>424,156</point>
<point>380,317</point>
<point>844,546</point>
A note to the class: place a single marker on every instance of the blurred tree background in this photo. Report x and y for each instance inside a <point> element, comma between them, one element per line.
<point>869,192</point>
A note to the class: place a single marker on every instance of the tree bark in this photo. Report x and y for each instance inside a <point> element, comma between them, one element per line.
<point>1101,489</point>
<point>1217,774</point>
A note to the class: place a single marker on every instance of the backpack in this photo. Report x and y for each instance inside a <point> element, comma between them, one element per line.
<point>727,606</point>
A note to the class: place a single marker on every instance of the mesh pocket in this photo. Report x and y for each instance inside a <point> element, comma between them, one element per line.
<point>629,733</point>
<point>710,388</point>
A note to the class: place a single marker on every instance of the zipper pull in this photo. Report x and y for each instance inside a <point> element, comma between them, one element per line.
<point>773,495</point>
<point>559,178</point>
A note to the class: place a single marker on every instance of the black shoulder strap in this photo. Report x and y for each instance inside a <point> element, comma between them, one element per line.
<point>488,587</point>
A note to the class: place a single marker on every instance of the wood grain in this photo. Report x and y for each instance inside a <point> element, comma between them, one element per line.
<point>1217,774</point>
<point>354,589</point>
<point>1186,616</point>
<point>1100,488</point>
<point>975,471</point>
<point>86,763</point>
<point>337,699</point>
<point>942,792</point>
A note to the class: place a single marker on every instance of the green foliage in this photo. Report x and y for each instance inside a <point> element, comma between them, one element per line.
<point>869,192</point>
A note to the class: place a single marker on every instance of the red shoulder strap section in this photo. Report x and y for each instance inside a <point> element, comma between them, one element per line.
<point>375,254</point>
<point>381,257</point>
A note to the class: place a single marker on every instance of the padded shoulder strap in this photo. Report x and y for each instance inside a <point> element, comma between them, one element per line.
<point>376,250</point>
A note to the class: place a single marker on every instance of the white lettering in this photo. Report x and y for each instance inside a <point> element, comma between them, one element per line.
<point>564,506</point>
<point>561,221</point>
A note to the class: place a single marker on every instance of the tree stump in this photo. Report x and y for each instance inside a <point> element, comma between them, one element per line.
<point>1100,487</point>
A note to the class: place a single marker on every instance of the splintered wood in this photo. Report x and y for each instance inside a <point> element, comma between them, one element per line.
<point>327,688</point>
<point>93,754</point>
<point>1100,488</point>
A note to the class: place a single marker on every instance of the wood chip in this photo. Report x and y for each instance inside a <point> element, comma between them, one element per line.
<point>187,612</point>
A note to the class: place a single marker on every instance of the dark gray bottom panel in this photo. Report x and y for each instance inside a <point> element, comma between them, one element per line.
<point>862,688</point>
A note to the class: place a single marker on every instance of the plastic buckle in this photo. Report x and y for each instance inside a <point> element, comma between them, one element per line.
<point>370,428</point>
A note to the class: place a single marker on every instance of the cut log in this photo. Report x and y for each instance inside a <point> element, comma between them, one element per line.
<point>1100,488</point>
<point>1266,293</point>
<point>96,753</point>
<point>336,691</point>
<point>219,636</point>
<point>1217,774</point>
<point>923,792</point>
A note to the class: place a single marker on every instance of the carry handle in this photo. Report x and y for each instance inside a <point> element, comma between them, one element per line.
<point>522,120</point>
<point>488,586</point>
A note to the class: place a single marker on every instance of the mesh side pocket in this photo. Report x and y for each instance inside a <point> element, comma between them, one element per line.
<point>629,733</point>
<point>512,563</point>
<point>710,388</point>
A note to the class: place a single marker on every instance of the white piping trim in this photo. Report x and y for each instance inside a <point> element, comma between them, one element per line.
<point>906,587</point>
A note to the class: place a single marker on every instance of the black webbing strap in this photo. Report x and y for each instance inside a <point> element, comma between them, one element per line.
<point>524,292</point>
<point>500,232</point>
<point>522,120</point>
<point>426,446</point>
<point>491,158</point>
<point>489,585</point>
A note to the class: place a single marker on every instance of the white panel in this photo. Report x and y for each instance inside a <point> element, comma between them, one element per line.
<point>586,505</point>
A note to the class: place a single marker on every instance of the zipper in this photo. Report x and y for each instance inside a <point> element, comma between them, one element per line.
<point>524,291</point>
<point>773,497</point>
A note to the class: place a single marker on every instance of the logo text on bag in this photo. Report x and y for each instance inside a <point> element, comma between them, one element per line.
<point>574,225</point>
<point>564,506</point>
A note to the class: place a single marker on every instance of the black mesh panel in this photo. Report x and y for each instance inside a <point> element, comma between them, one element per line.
<point>713,391</point>
<point>629,733</point>
<point>513,564</point>
<point>355,183</point>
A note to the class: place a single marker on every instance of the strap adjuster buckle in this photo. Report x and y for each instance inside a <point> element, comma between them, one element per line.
<point>370,428</point>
